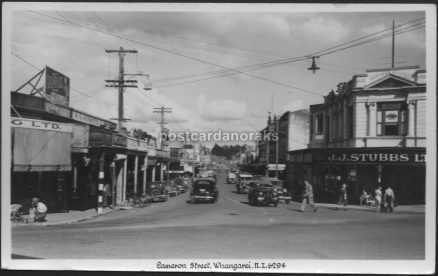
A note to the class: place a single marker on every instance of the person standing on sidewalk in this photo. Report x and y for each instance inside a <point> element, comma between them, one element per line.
<point>378,198</point>
<point>388,199</point>
<point>343,197</point>
<point>106,194</point>
<point>308,197</point>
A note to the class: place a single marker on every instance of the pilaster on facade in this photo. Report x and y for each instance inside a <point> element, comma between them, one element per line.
<point>412,104</point>
<point>372,118</point>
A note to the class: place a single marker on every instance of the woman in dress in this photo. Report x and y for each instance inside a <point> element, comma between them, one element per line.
<point>378,198</point>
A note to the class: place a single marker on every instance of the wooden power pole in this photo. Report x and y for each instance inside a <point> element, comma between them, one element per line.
<point>121,83</point>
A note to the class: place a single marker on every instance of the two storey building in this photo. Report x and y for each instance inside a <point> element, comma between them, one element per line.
<point>370,132</point>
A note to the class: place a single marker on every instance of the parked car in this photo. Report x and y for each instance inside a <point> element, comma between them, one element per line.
<point>157,191</point>
<point>282,193</point>
<point>181,185</point>
<point>243,180</point>
<point>204,189</point>
<point>171,188</point>
<point>261,192</point>
<point>231,178</point>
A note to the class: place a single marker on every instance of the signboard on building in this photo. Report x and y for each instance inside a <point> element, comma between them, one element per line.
<point>88,119</point>
<point>273,167</point>
<point>40,145</point>
<point>57,87</point>
<point>100,137</point>
<point>57,109</point>
<point>376,157</point>
<point>360,156</point>
<point>80,137</point>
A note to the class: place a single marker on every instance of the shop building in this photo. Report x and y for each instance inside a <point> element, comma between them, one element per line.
<point>40,169</point>
<point>292,129</point>
<point>370,132</point>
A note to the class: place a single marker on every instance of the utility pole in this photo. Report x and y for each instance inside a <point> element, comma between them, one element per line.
<point>276,119</point>
<point>268,144</point>
<point>162,110</point>
<point>121,83</point>
<point>393,43</point>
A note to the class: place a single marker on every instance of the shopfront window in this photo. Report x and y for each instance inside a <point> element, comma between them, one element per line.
<point>391,119</point>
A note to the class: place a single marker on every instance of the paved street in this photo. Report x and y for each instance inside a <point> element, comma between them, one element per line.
<point>228,229</point>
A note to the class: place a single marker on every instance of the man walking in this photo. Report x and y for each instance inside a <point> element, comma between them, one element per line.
<point>308,197</point>
<point>389,198</point>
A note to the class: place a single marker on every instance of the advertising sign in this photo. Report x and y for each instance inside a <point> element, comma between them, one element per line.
<point>40,145</point>
<point>57,109</point>
<point>92,120</point>
<point>57,87</point>
<point>377,157</point>
<point>81,134</point>
<point>272,167</point>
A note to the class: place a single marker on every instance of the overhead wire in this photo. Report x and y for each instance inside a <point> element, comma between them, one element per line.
<point>79,29</point>
<point>35,67</point>
<point>231,69</point>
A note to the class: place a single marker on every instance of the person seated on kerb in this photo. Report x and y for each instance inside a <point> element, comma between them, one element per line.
<point>38,211</point>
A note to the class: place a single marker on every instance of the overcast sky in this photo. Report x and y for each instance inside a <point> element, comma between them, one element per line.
<point>235,102</point>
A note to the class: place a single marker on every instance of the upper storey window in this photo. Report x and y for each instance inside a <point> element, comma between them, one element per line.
<point>391,119</point>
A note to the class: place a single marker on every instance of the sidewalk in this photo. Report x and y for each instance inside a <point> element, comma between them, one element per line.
<point>420,209</point>
<point>77,216</point>
<point>70,217</point>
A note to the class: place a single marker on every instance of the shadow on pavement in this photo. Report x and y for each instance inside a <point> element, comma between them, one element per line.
<point>16,256</point>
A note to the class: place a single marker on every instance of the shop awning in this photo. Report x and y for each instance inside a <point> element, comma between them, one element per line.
<point>40,145</point>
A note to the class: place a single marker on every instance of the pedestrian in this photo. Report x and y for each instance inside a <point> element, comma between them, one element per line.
<point>38,210</point>
<point>388,199</point>
<point>343,197</point>
<point>378,198</point>
<point>308,197</point>
<point>106,194</point>
<point>364,197</point>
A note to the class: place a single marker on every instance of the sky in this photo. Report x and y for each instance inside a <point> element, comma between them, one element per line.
<point>177,49</point>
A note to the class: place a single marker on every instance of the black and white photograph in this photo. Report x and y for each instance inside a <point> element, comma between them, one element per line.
<point>206,137</point>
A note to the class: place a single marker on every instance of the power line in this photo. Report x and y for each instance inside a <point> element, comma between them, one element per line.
<point>377,38</point>
<point>363,37</point>
<point>79,29</point>
<point>25,61</point>
<point>30,64</point>
<point>231,69</point>
<point>257,68</point>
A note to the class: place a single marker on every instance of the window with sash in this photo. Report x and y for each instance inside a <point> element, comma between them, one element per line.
<point>319,124</point>
<point>391,119</point>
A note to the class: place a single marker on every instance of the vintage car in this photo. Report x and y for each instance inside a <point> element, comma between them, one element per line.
<point>278,186</point>
<point>172,189</point>
<point>261,192</point>
<point>157,191</point>
<point>181,185</point>
<point>231,178</point>
<point>243,180</point>
<point>204,189</point>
